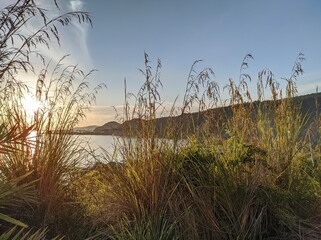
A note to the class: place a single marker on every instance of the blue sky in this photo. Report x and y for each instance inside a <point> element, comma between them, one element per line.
<point>179,32</point>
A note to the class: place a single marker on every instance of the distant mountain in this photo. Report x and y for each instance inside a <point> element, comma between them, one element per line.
<point>310,106</point>
<point>85,129</point>
<point>108,128</point>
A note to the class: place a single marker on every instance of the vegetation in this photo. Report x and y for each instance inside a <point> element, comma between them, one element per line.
<point>252,175</point>
<point>38,157</point>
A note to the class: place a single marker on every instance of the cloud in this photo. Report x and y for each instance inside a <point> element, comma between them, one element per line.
<point>73,38</point>
<point>76,5</point>
<point>78,37</point>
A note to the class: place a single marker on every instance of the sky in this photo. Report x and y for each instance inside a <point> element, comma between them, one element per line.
<point>178,32</point>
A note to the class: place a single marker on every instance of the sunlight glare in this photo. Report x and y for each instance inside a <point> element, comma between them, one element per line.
<point>30,105</point>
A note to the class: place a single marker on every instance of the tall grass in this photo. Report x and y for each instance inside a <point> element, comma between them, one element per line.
<point>53,155</point>
<point>38,156</point>
<point>245,174</point>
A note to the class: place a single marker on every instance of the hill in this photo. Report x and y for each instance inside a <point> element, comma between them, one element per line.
<point>108,128</point>
<point>308,105</point>
<point>90,128</point>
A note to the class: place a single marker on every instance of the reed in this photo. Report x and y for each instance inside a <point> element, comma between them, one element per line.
<point>247,179</point>
<point>38,156</point>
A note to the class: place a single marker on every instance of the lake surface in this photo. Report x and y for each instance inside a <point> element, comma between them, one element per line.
<point>99,141</point>
<point>106,147</point>
<point>102,146</point>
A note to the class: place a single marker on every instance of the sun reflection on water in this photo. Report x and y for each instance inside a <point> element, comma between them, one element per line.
<point>31,139</point>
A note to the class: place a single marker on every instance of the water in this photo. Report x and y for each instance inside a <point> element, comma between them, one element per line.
<point>107,148</point>
<point>102,147</point>
<point>99,141</point>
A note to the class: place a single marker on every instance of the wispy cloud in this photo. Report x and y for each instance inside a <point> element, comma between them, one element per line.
<point>73,38</point>
<point>76,5</point>
<point>82,33</point>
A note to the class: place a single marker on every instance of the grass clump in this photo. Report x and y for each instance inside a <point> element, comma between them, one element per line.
<point>250,179</point>
<point>38,156</point>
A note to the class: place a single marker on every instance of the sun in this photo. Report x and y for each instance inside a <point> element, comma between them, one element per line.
<point>30,105</point>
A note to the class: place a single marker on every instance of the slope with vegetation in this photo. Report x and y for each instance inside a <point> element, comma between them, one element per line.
<point>308,105</point>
